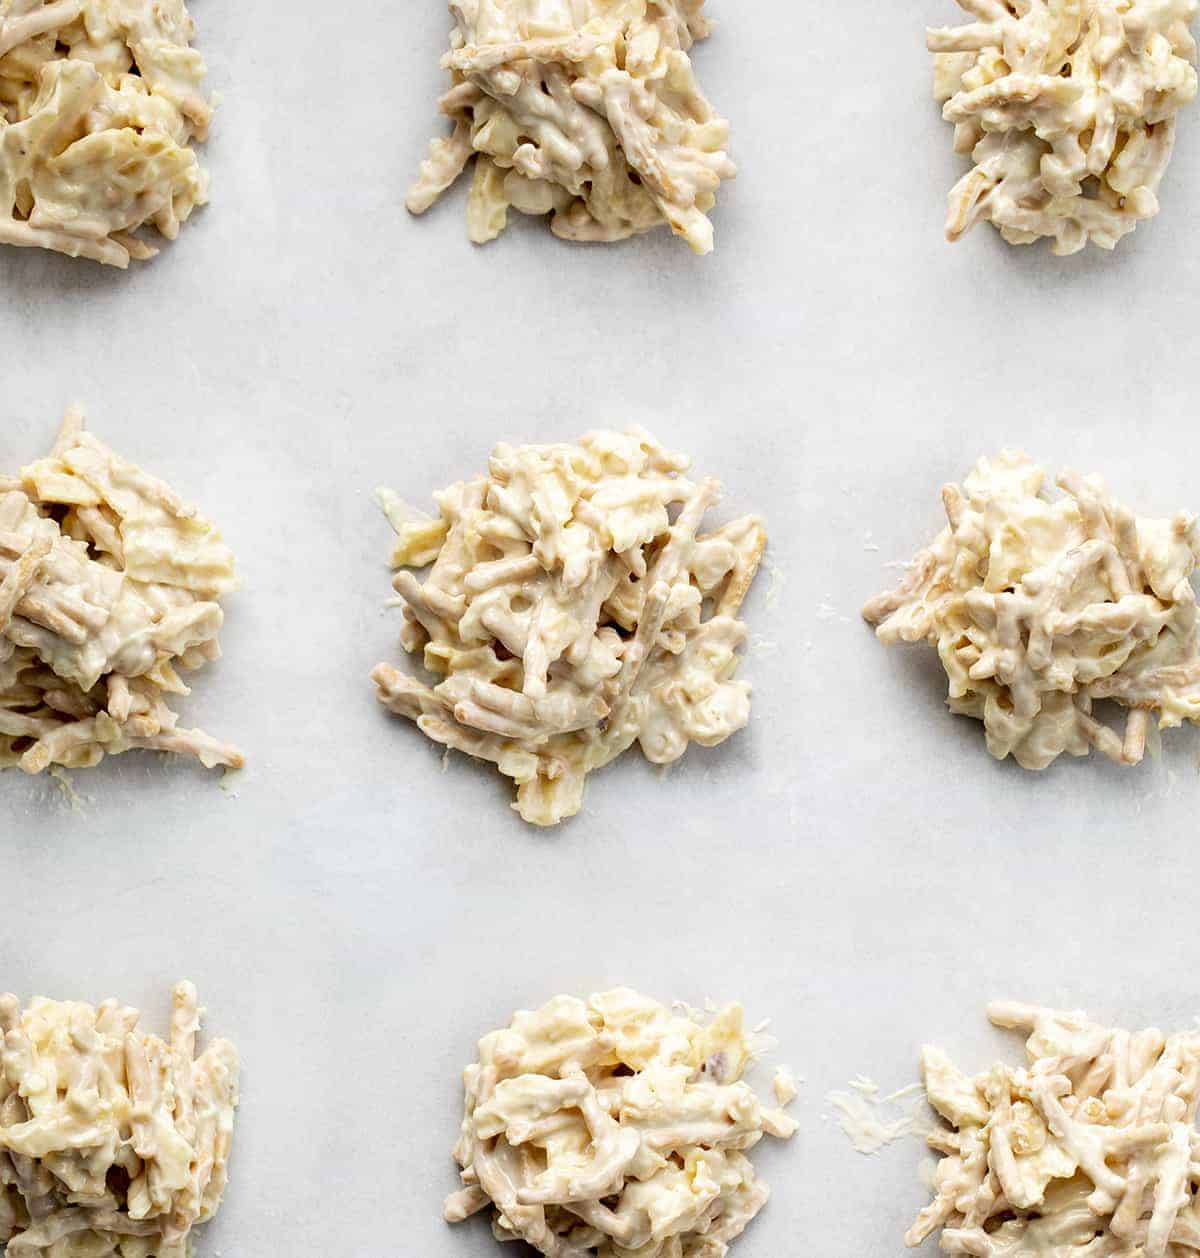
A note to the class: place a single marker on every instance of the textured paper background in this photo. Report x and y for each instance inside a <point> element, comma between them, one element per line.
<point>854,865</point>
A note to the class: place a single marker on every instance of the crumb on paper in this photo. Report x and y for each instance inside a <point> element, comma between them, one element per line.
<point>65,788</point>
<point>775,585</point>
<point>758,645</point>
<point>871,1122</point>
<point>826,611</point>
<point>784,1086</point>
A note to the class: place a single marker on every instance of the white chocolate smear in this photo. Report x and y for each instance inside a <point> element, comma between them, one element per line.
<point>1090,1148</point>
<point>113,1142</point>
<point>872,1121</point>
<point>109,588</point>
<point>573,607</point>
<point>100,102</point>
<point>613,1127</point>
<point>586,110</point>
<point>1040,605</point>
<point>1067,109</point>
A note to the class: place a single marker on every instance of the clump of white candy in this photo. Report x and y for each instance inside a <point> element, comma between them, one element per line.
<point>109,586</point>
<point>584,109</point>
<point>1039,606</point>
<point>1067,108</point>
<point>100,101</point>
<point>113,1142</point>
<point>571,615</point>
<point>1091,1148</point>
<point>613,1127</point>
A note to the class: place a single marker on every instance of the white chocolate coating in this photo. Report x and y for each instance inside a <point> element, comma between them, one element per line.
<point>113,1142</point>
<point>1067,109</point>
<point>100,101</point>
<point>569,616</point>
<point>1039,606</point>
<point>1091,1148</point>
<point>584,109</point>
<point>613,1128</point>
<point>109,584</point>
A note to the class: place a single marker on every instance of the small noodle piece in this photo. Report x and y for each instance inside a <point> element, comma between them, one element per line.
<point>587,110</point>
<point>570,615</point>
<point>614,1127</point>
<point>1039,606</point>
<point>1090,1149</point>
<point>114,1143</point>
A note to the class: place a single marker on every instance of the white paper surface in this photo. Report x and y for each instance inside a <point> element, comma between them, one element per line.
<point>854,865</point>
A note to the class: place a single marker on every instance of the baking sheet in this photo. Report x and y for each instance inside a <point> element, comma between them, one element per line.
<point>853,866</point>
